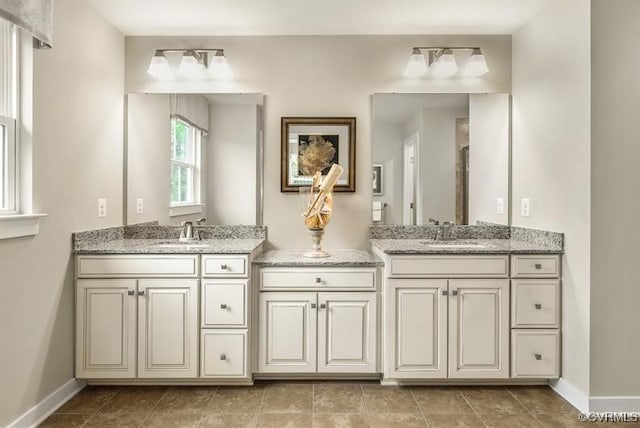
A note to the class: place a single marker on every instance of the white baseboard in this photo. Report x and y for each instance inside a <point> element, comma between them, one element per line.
<point>573,395</point>
<point>614,404</point>
<point>50,404</point>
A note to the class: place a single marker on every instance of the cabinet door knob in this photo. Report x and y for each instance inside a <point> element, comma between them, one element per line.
<point>223,306</point>
<point>223,357</point>
<point>313,306</point>
<point>454,292</point>
<point>131,292</point>
<point>224,267</point>
<point>445,292</point>
<point>323,306</point>
<point>538,306</point>
<point>538,356</point>
<point>318,280</point>
<point>538,265</point>
<point>141,293</point>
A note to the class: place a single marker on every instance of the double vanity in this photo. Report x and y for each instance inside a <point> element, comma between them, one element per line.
<point>481,308</point>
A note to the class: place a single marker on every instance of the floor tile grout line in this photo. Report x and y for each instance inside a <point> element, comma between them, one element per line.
<point>475,412</point>
<point>424,418</point>
<point>525,407</point>
<point>364,403</point>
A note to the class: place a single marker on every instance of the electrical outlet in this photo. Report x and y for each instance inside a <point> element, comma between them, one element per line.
<point>102,207</point>
<point>525,207</point>
<point>500,206</point>
<point>139,206</point>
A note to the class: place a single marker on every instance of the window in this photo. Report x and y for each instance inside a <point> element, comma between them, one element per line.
<point>185,163</point>
<point>8,116</point>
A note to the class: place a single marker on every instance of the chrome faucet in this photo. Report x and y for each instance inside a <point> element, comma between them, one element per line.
<point>187,232</point>
<point>445,230</point>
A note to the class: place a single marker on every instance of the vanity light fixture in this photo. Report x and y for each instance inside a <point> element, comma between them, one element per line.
<point>194,64</point>
<point>442,63</point>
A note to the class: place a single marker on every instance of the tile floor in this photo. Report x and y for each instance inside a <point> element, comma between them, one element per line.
<point>316,404</point>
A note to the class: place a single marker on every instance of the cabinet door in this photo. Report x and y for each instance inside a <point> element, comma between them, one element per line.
<point>224,354</point>
<point>416,329</point>
<point>106,328</point>
<point>347,332</point>
<point>287,342</point>
<point>167,328</point>
<point>478,328</point>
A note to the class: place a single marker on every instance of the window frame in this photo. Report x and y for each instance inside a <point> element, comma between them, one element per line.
<point>195,167</point>
<point>9,120</point>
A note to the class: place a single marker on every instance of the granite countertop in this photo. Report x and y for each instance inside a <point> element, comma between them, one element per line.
<point>466,246</point>
<point>338,258</point>
<point>169,246</point>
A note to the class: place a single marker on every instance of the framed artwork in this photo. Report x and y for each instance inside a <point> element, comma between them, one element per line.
<point>378,179</point>
<point>311,144</point>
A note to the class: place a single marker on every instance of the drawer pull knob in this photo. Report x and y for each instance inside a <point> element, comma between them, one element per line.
<point>445,293</point>
<point>323,306</point>
<point>454,292</point>
<point>141,293</point>
<point>538,306</point>
<point>538,265</point>
<point>538,356</point>
<point>313,306</point>
<point>223,357</point>
<point>131,292</point>
<point>224,267</point>
<point>223,306</point>
<point>318,280</point>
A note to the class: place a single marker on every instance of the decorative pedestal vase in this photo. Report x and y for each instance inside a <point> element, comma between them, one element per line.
<point>316,248</point>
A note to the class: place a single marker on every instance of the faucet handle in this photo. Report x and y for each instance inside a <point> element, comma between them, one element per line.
<point>434,221</point>
<point>201,221</point>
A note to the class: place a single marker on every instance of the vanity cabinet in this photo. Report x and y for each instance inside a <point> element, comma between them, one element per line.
<point>535,316</point>
<point>317,320</point>
<point>128,326</point>
<point>447,317</point>
<point>225,316</point>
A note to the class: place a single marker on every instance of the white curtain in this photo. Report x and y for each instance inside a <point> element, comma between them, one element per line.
<point>193,108</point>
<point>34,16</point>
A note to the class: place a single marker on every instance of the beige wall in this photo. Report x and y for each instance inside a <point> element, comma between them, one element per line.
<point>77,134</point>
<point>319,76</point>
<point>615,198</point>
<point>551,156</point>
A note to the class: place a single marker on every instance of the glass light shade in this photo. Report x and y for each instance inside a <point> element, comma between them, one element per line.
<point>219,66</point>
<point>159,66</point>
<point>190,66</point>
<point>417,66</point>
<point>445,64</point>
<point>476,65</point>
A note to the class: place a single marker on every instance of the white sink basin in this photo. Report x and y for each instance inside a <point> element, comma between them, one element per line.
<point>183,245</point>
<point>461,245</point>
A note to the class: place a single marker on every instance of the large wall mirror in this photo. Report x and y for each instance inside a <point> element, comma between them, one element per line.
<point>191,156</point>
<point>440,156</point>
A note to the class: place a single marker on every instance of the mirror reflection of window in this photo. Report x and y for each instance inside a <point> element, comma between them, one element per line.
<point>186,143</point>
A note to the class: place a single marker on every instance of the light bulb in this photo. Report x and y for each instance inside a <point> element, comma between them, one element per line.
<point>159,66</point>
<point>417,66</point>
<point>445,64</point>
<point>476,65</point>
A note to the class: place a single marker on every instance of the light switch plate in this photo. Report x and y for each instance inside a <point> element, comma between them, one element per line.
<point>500,206</point>
<point>525,207</point>
<point>139,206</point>
<point>102,207</point>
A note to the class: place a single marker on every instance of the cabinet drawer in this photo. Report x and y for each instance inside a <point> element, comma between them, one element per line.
<point>224,353</point>
<point>136,266</point>
<point>535,266</point>
<point>450,266</point>
<point>304,278</point>
<point>535,303</point>
<point>224,266</point>
<point>535,353</point>
<point>224,303</point>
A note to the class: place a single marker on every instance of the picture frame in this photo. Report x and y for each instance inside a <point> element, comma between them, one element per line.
<point>378,179</point>
<point>309,144</point>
